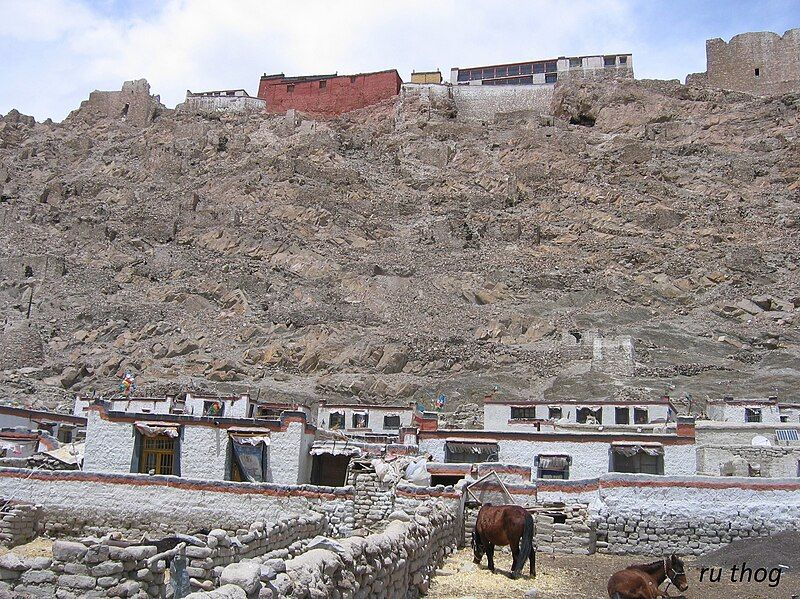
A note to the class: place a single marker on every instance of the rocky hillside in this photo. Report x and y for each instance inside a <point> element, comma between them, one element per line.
<point>400,252</point>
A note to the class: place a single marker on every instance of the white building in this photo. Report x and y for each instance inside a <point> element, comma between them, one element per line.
<point>227,100</point>
<point>752,411</point>
<point>544,72</point>
<point>360,419</point>
<point>508,415</point>
<point>213,448</point>
<point>748,449</point>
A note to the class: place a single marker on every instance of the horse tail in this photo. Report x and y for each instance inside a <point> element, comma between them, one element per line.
<point>617,595</point>
<point>526,544</point>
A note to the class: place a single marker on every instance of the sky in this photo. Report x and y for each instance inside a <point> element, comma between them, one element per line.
<point>54,52</point>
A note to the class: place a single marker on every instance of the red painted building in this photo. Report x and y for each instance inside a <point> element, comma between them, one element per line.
<point>327,94</point>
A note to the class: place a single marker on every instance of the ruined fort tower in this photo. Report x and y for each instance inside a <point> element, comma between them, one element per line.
<point>760,63</point>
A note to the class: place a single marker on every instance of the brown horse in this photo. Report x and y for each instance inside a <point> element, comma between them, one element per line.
<point>641,581</point>
<point>505,525</point>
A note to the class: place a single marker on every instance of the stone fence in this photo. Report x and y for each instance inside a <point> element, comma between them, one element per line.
<point>19,523</point>
<point>394,564</point>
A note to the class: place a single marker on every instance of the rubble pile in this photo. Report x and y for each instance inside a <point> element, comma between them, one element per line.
<point>400,251</point>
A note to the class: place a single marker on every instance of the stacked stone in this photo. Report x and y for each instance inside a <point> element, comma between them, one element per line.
<point>19,523</point>
<point>394,564</point>
<point>87,569</point>
<point>374,501</point>
<point>283,539</point>
<point>576,535</point>
<point>643,535</point>
<point>340,515</point>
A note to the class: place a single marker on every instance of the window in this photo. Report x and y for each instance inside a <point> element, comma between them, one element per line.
<point>637,459</point>
<point>323,84</point>
<point>538,68</point>
<point>290,88</point>
<point>758,72</point>
<point>575,63</point>
<point>501,72</point>
<point>550,78</point>
<point>213,408</point>
<point>157,454</point>
<point>752,414</point>
<point>336,421</point>
<point>360,420</point>
<point>513,70</point>
<point>526,69</point>
<point>463,75</point>
<point>609,61</point>
<point>640,416</point>
<point>623,60</point>
<point>470,452</point>
<point>622,416</point>
<point>487,74</point>
<point>64,434</point>
<point>589,415</point>
<point>551,66</point>
<point>552,466</point>
<point>391,421</point>
<point>554,413</point>
<point>523,413</point>
<point>266,413</point>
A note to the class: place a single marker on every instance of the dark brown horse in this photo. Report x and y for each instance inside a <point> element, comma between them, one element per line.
<point>505,525</point>
<point>641,581</point>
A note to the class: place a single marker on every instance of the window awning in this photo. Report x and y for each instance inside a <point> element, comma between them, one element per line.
<point>631,449</point>
<point>467,447</point>
<point>244,439</point>
<point>155,429</point>
<point>333,448</point>
<point>553,462</point>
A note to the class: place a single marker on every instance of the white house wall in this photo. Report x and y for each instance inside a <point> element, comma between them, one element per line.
<point>589,459</point>
<point>375,415</point>
<point>735,413</point>
<point>497,417</point>
<point>109,445</point>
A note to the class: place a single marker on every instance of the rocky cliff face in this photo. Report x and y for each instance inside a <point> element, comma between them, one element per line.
<point>643,241</point>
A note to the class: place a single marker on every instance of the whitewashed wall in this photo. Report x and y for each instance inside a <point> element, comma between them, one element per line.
<point>589,459</point>
<point>375,413</point>
<point>724,412</point>
<point>234,407</point>
<point>497,417</point>
<point>109,445</point>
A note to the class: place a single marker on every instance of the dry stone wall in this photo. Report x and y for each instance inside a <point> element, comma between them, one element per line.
<point>19,523</point>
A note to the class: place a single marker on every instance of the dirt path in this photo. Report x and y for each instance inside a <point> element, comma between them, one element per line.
<point>580,577</point>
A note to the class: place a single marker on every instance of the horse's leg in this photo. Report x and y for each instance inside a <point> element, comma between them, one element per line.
<point>517,560</point>
<point>533,562</point>
<point>490,556</point>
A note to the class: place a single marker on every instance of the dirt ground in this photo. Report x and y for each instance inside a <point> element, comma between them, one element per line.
<point>39,547</point>
<point>582,576</point>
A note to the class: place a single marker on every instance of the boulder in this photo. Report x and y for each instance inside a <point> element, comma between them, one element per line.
<point>245,575</point>
<point>226,591</point>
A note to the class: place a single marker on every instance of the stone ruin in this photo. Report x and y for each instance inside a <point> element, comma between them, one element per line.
<point>133,104</point>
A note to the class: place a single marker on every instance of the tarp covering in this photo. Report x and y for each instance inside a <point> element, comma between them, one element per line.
<point>553,462</point>
<point>251,456</point>
<point>630,450</point>
<point>71,453</point>
<point>154,429</point>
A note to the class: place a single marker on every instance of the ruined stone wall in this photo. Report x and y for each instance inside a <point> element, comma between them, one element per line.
<point>733,65</point>
<point>373,501</point>
<point>222,104</point>
<point>774,461</point>
<point>485,102</point>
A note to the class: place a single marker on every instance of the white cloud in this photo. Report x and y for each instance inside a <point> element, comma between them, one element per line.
<point>63,49</point>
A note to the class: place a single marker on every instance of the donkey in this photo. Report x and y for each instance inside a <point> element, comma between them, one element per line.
<point>505,525</point>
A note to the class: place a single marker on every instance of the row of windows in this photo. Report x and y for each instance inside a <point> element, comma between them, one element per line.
<point>533,68</point>
<point>548,78</point>
<point>320,84</point>
<point>336,421</point>
<point>590,416</point>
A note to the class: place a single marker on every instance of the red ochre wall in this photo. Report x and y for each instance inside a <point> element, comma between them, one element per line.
<point>340,94</point>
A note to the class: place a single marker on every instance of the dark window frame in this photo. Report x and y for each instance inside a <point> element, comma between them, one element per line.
<point>754,415</point>
<point>641,416</point>
<point>389,426</point>
<point>523,413</point>
<point>618,412</point>
<point>340,417</point>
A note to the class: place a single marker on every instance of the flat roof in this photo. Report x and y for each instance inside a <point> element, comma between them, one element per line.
<point>280,77</point>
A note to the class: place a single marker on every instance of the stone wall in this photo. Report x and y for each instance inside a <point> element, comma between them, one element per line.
<point>648,515</point>
<point>485,102</point>
<point>90,568</point>
<point>774,461</point>
<point>564,529</point>
<point>373,501</point>
<point>733,65</point>
<point>138,503</point>
<point>223,104</point>
<point>19,523</point>
<point>397,563</point>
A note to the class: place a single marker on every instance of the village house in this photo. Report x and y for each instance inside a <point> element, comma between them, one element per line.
<point>545,72</point>
<point>432,77</point>
<point>62,428</point>
<point>369,419</point>
<point>234,101</point>
<point>204,447</point>
<point>327,95</point>
<point>754,411</point>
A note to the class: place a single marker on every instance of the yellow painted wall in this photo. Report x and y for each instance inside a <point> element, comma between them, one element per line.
<point>428,77</point>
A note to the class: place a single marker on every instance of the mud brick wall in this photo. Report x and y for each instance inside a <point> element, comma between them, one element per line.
<point>565,529</point>
<point>373,500</point>
<point>19,523</point>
